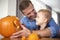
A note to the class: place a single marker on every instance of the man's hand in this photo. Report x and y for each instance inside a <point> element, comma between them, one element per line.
<point>24,32</point>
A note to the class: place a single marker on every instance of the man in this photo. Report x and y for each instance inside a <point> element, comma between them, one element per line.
<point>29,24</point>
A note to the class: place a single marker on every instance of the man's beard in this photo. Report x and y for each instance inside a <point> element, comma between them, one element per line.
<point>32,18</point>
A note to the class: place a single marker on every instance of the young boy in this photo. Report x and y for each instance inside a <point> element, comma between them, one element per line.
<point>43,17</point>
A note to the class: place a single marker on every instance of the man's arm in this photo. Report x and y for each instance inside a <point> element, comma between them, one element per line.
<point>43,33</point>
<point>25,32</point>
<point>48,32</point>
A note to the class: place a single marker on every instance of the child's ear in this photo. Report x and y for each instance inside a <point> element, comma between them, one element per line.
<point>45,20</point>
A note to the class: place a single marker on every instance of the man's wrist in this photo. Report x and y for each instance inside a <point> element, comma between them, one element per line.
<point>29,32</point>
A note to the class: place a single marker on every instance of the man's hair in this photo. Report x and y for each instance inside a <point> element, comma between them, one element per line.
<point>24,4</point>
<point>46,13</point>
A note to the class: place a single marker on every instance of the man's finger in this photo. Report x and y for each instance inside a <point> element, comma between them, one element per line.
<point>15,36</point>
<point>23,27</point>
<point>17,33</point>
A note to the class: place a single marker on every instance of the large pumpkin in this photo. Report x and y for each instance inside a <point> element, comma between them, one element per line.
<point>9,25</point>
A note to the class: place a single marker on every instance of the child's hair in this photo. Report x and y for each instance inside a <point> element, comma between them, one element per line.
<point>46,13</point>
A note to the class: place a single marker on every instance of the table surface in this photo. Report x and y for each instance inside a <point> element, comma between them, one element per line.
<point>40,39</point>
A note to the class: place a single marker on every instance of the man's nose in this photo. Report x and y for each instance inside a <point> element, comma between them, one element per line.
<point>32,13</point>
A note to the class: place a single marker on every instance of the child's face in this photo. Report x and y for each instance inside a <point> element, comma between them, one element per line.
<point>40,18</point>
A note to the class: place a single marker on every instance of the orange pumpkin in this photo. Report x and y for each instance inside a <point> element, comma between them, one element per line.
<point>33,36</point>
<point>23,38</point>
<point>9,25</point>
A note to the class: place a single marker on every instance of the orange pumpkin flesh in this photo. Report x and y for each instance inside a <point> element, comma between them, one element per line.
<point>9,25</point>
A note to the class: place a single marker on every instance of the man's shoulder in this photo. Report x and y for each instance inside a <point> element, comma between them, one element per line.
<point>24,18</point>
<point>52,22</point>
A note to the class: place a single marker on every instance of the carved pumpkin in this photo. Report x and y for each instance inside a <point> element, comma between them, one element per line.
<point>9,25</point>
<point>33,36</point>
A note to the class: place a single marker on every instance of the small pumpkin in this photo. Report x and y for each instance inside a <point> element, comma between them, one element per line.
<point>23,38</point>
<point>33,36</point>
<point>9,25</point>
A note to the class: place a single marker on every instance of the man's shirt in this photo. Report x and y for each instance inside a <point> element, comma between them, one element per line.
<point>30,24</point>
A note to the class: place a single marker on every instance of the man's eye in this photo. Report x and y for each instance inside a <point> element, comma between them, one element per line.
<point>28,13</point>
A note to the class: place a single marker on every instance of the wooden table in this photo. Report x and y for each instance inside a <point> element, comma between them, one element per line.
<point>40,39</point>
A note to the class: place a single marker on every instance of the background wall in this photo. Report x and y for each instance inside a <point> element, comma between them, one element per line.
<point>3,8</point>
<point>12,7</point>
<point>7,7</point>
